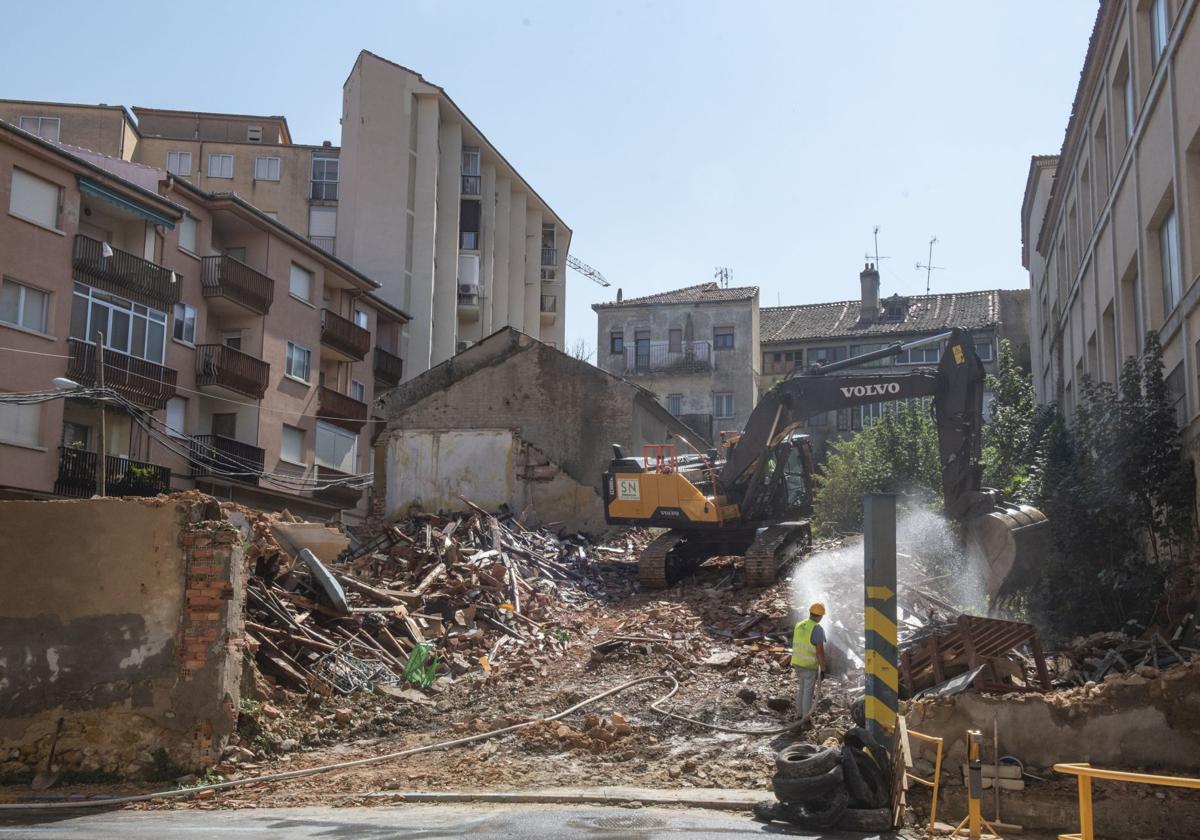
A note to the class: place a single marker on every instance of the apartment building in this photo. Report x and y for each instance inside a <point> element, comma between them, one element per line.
<point>415,197</point>
<point>252,356</point>
<point>797,337</point>
<point>435,212</point>
<point>1111,224</point>
<point>695,348</point>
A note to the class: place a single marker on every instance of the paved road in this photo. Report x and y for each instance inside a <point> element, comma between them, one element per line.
<point>402,822</point>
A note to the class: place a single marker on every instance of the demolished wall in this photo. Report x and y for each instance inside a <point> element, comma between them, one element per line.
<point>1141,720</point>
<point>120,634</point>
<point>542,424</point>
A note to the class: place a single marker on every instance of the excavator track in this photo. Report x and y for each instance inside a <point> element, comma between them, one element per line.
<point>652,563</point>
<point>773,548</point>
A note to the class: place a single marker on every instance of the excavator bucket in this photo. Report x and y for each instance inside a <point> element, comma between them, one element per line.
<point>1012,539</point>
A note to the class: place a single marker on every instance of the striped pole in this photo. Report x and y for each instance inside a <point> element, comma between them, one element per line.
<point>879,560</point>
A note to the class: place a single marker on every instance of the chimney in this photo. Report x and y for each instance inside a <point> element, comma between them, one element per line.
<point>869,280</point>
<point>618,294</point>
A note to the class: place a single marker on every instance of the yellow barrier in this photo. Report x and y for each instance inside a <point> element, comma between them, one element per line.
<point>937,775</point>
<point>1086,773</point>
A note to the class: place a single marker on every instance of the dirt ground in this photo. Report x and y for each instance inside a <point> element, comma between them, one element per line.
<point>744,682</point>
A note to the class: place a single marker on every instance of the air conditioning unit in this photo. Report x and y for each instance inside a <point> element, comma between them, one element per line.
<point>463,345</point>
<point>468,288</point>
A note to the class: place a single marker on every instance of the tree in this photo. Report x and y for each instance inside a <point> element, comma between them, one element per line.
<point>896,454</point>
<point>1008,435</point>
<point>581,350</point>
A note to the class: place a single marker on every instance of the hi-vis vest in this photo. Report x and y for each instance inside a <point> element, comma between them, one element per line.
<point>804,652</point>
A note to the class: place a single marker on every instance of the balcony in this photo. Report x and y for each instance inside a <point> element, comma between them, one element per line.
<point>549,308</point>
<point>125,274</point>
<point>471,185</point>
<point>687,357</point>
<point>225,367</point>
<point>345,336</point>
<point>468,301</point>
<point>388,368</point>
<point>226,277</point>
<point>215,455</point>
<point>145,383</point>
<point>341,410</point>
<point>340,495</point>
<point>123,477</point>
<point>325,243</point>
<point>549,257</point>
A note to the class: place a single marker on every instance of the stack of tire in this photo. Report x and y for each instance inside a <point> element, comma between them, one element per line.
<point>843,788</point>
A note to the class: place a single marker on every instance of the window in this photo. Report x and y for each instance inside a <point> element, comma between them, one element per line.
<point>188,230</point>
<point>1168,239</point>
<point>470,171</point>
<point>360,319</point>
<point>674,341</point>
<point>337,448</point>
<point>176,412</point>
<point>928,355</point>
<point>723,405</point>
<point>179,163</point>
<point>20,424</point>
<point>297,361</point>
<point>35,200</point>
<point>825,355</point>
<point>1127,95</point>
<point>220,166</point>
<point>983,349</point>
<point>861,349</point>
<point>254,134</point>
<point>232,340</point>
<point>322,227</point>
<point>616,342</point>
<point>1177,394</point>
<point>45,127</point>
<point>23,306</point>
<point>358,390</point>
<point>76,435</point>
<point>325,178</point>
<point>185,323</point>
<point>1160,27</point>
<point>723,339</point>
<point>300,283</point>
<point>675,404</point>
<point>469,214</point>
<point>266,169</point>
<point>128,327</point>
<point>291,445</point>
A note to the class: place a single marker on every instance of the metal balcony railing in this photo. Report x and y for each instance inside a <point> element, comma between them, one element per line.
<point>216,455</point>
<point>340,495</point>
<point>549,257</point>
<point>145,383</point>
<point>125,274</point>
<point>341,410</point>
<point>325,243</point>
<point>123,477</point>
<point>232,279</point>
<point>217,364</point>
<point>344,335</point>
<point>687,357</point>
<point>389,368</point>
<point>471,185</point>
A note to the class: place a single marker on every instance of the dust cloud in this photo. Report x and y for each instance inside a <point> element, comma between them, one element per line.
<point>929,555</point>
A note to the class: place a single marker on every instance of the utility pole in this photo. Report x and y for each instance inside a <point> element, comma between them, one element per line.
<point>929,266</point>
<point>879,578</point>
<point>102,444</point>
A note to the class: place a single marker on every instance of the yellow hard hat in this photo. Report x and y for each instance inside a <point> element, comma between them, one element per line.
<point>817,609</point>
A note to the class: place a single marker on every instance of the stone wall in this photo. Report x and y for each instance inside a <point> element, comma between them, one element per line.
<point>120,635</point>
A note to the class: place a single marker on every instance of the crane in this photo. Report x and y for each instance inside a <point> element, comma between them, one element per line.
<point>586,270</point>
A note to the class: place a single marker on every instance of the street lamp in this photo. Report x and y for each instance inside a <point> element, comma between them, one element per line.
<point>61,383</point>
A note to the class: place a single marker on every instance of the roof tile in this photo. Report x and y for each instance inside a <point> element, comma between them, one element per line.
<point>969,310</point>
<point>702,293</point>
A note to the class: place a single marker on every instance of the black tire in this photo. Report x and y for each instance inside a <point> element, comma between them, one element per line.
<point>821,814</point>
<point>858,712</point>
<point>876,779</point>
<point>798,761</point>
<point>771,811</point>
<point>864,740</point>
<point>865,819</point>
<point>808,789</point>
<point>862,779</point>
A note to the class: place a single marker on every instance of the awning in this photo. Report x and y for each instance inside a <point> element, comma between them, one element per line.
<point>87,185</point>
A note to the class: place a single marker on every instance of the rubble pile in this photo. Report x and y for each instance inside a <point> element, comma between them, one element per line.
<point>429,597</point>
<point>1092,658</point>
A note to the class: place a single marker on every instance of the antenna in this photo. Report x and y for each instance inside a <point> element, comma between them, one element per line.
<point>929,266</point>
<point>875,233</point>
<point>722,274</point>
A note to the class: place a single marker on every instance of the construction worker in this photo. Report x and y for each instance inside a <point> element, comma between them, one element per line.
<point>808,658</point>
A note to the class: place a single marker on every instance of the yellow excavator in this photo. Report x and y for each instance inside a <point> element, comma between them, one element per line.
<point>754,498</point>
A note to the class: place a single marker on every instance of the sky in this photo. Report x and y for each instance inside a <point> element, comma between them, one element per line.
<point>672,137</point>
